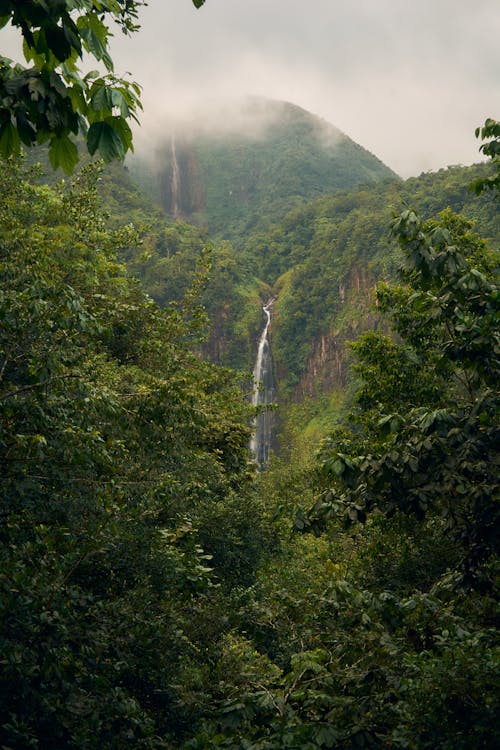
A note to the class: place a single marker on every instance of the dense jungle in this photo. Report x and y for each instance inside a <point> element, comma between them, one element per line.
<point>159,587</point>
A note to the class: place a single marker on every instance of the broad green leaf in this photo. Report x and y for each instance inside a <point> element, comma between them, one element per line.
<point>9,140</point>
<point>103,137</point>
<point>27,133</point>
<point>101,99</point>
<point>57,42</point>
<point>63,153</point>
<point>119,101</point>
<point>121,127</point>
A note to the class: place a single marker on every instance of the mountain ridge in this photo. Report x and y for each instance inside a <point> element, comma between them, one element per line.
<point>265,158</point>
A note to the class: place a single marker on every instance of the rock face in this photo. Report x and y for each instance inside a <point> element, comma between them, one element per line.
<point>328,361</point>
<point>178,186</point>
<point>326,366</point>
<point>263,155</point>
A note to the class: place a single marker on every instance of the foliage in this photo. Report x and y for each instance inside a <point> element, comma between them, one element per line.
<point>379,630</point>
<point>331,254</point>
<point>491,130</point>
<point>321,260</point>
<point>154,592</point>
<point>52,100</point>
<point>118,449</point>
<point>428,407</point>
<point>364,678</point>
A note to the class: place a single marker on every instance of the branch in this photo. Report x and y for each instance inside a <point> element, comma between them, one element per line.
<point>32,386</point>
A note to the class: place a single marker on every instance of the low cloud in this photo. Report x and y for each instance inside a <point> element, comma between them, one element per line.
<point>408,81</point>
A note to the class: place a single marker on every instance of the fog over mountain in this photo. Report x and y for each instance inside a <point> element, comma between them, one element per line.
<point>410,81</point>
<point>259,159</point>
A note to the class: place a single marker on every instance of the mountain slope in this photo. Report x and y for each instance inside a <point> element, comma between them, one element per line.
<point>272,156</point>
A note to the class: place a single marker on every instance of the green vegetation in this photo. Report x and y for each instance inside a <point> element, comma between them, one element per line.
<point>326,257</point>
<point>491,148</point>
<point>122,454</point>
<point>379,630</point>
<point>278,156</point>
<point>321,259</point>
<point>156,591</point>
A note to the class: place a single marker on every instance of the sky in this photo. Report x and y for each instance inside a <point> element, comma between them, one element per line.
<point>409,80</point>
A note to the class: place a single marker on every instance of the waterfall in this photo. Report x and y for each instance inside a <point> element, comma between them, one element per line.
<point>175,183</point>
<point>263,394</point>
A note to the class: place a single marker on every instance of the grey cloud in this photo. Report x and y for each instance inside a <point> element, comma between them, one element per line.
<point>408,79</point>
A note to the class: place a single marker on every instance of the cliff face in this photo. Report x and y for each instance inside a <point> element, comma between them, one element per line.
<point>189,199</point>
<point>327,364</point>
<point>316,317</point>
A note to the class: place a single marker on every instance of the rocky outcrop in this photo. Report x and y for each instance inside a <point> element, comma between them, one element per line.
<point>327,365</point>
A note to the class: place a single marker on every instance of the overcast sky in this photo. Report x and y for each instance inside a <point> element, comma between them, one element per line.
<point>407,79</point>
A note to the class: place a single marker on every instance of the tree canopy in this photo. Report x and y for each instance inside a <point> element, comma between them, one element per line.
<point>489,133</point>
<point>154,591</point>
<point>125,483</point>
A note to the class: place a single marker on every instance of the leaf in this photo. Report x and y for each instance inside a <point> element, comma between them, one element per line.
<point>103,137</point>
<point>325,735</point>
<point>63,153</point>
<point>121,127</point>
<point>119,101</point>
<point>95,35</point>
<point>37,88</point>
<point>338,467</point>
<point>9,140</point>
<point>26,132</point>
<point>101,99</point>
<point>58,42</point>
<point>198,3</point>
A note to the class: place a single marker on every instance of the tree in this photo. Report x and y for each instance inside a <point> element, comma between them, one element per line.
<point>332,651</point>
<point>52,100</point>
<point>491,148</point>
<point>122,453</point>
<point>424,439</point>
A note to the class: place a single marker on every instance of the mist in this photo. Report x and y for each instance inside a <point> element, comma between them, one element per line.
<point>409,81</point>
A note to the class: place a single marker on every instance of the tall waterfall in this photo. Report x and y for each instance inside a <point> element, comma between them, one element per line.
<point>263,393</point>
<point>175,184</point>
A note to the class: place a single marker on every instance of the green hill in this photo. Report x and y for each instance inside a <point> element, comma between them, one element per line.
<point>321,260</point>
<point>272,157</point>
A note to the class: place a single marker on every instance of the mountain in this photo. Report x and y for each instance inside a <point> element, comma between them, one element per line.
<point>249,164</point>
<point>318,259</point>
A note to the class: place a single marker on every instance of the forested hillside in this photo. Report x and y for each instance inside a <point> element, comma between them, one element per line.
<point>325,260</point>
<point>157,592</point>
<point>321,261</point>
<point>248,165</point>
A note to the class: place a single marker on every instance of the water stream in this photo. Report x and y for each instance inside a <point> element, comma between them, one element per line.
<point>175,183</point>
<point>263,394</point>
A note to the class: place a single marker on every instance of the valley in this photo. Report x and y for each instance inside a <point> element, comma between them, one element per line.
<point>307,225</point>
<point>249,447</point>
